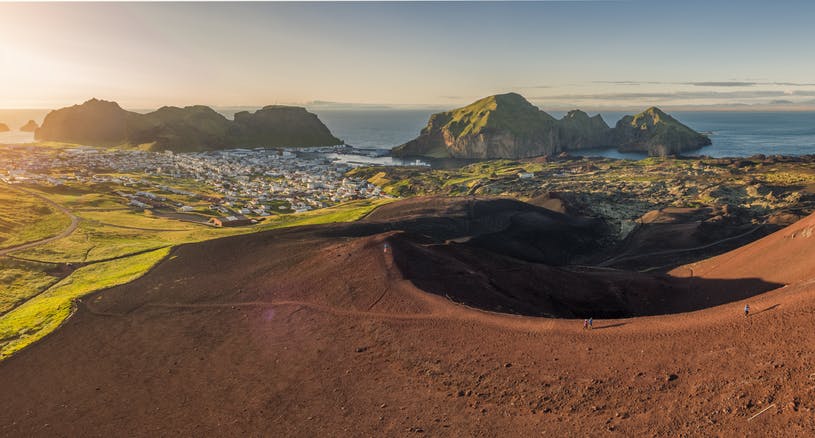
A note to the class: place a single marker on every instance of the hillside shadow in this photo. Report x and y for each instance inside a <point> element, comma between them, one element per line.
<point>773,307</point>
<point>619,324</point>
<point>486,280</point>
<point>510,261</point>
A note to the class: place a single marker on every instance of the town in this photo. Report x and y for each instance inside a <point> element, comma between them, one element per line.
<point>225,187</point>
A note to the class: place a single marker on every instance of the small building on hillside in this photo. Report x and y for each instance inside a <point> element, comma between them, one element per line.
<point>230,221</point>
<point>525,175</point>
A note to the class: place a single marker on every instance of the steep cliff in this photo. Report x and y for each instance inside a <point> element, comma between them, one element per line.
<point>656,133</point>
<point>508,126</point>
<point>95,122</point>
<point>579,131</point>
<point>188,129</point>
<point>504,125</point>
<point>279,125</point>
<point>192,128</point>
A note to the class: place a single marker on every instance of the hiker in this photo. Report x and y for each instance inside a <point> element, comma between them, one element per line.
<point>746,310</point>
<point>385,248</point>
<point>591,321</point>
<point>585,324</point>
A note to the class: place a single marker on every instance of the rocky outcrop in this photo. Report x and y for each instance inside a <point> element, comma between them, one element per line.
<point>508,126</point>
<point>279,125</point>
<point>579,131</point>
<point>188,129</point>
<point>31,126</point>
<point>504,125</point>
<point>656,133</point>
<point>95,122</point>
<point>3,127</point>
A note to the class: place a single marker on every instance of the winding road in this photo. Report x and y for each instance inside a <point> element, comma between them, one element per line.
<point>65,233</point>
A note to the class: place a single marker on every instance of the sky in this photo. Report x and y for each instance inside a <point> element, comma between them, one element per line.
<point>560,55</point>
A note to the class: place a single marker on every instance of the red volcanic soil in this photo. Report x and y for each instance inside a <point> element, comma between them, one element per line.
<point>316,331</point>
<point>787,257</point>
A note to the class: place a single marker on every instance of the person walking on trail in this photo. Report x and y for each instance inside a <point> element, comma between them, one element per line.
<point>746,310</point>
<point>591,322</point>
<point>585,324</point>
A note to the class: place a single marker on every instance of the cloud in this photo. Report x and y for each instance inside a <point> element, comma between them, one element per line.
<point>710,83</point>
<point>631,82</point>
<point>529,87</point>
<point>793,84</point>
<point>721,84</point>
<point>741,94</point>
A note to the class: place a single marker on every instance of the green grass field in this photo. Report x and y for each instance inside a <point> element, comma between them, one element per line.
<point>112,246</point>
<point>25,218</point>
<point>43,313</point>
<point>22,280</point>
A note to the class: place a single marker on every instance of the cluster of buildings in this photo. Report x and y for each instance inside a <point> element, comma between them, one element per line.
<point>236,183</point>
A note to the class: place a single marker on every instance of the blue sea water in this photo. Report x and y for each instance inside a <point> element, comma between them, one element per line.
<point>734,134</point>
<point>742,134</point>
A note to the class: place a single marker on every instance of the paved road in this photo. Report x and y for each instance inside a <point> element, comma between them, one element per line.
<point>65,233</point>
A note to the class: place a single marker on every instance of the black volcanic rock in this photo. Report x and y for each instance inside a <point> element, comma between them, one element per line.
<point>30,126</point>
<point>508,126</point>
<point>192,128</point>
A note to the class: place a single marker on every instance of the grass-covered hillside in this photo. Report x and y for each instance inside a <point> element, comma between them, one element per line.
<point>499,125</point>
<point>510,112</point>
<point>509,126</point>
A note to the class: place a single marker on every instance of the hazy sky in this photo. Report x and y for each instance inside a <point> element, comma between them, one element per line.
<point>558,54</point>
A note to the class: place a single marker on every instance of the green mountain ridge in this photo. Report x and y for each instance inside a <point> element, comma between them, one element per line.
<point>192,128</point>
<point>509,126</point>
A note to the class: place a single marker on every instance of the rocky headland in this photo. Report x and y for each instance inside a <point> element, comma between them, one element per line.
<point>508,126</point>
<point>192,128</point>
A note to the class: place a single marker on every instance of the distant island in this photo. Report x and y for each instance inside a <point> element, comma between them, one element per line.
<point>189,129</point>
<point>30,126</point>
<point>4,127</point>
<point>509,126</point>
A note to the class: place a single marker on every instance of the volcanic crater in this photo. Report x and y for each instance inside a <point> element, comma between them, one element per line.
<point>505,255</point>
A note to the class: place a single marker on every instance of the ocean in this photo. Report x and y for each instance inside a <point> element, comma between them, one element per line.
<point>734,134</point>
